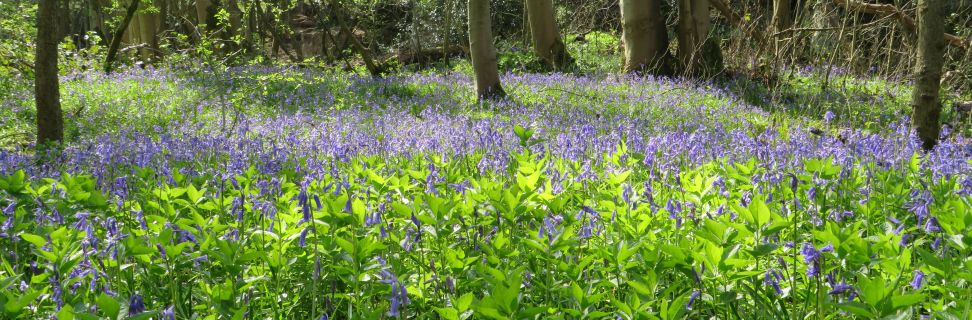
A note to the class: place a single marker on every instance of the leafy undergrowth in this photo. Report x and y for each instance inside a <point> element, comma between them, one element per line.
<point>293,193</point>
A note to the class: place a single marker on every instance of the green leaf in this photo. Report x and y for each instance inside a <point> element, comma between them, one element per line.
<point>16,306</point>
<point>761,213</point>
<point>763,249</point>
<point>66,313</point>
<point>906,300</point>
<point>463,302</point>
<point>857,308</point>
<point>448,313</point>
<point>873,290</point>
<point>108,306</point>
<point>34,239</point>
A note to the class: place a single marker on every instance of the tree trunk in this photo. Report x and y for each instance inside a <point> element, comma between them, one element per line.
<point>373,68</point>
<point>202,14</point>
<point>50,122</point>
<point>147,28</point>
<point>645,38</point>
<point>925,104</point>
<point>698,53</point>
<point>546,38</point>
<point>236,33</point>
<point>782,15</point>
<point>482,52</point>
<point>119,33</point>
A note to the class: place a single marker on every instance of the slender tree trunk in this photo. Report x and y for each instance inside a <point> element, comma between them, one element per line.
<point>50,122</point>
<point>925,105</point>
<point>119,33</point>
<point>698,53</point>
<point>546,37</point>
<point>645,38</point>
<point>482,51</point>
<point>373,68</point>
<point>446,30</point>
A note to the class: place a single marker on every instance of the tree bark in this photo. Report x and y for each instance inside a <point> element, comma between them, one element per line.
<point>547,42</point>
<point>482,52</point>
<point>698,53</point>
<point>47,96</point>
<point>925,105</point>
<point>147,29</point>
<point>782,15</point>
<point>645,38</point>
<point>119,33</point>
<point>202,14</point>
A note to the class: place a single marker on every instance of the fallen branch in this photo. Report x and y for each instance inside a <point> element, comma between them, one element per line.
<point>889,9</point>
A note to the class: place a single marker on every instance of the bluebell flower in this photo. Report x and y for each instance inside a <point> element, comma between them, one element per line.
<point>919,203</point>
<point>695,295</point>
<point>57,293</point>
<point>919,280</point>
<point>9,210</point>
<point>168,313</point>
<point>829,116</point>
<point>811,257</point>
<point>932,226</point>
<point>772,278</point>
<point>904,239</point>
<point>135,304</point>
<point>841,288</point>
<point>303,237</point>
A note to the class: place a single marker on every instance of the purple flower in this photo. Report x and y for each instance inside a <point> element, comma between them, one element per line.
<point>919,203</point>
<point>829,116</point>
<point>695,295</point>
<point>932,226</point>
<point>168,313</point>
<point>904,239</point>
<point>812,257</point>
<point>841,288</point>
<point>9,210</point>
<point>303,237</point>
<point>919,280</point>
<point>772,278</point>
<point>135,305</point>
